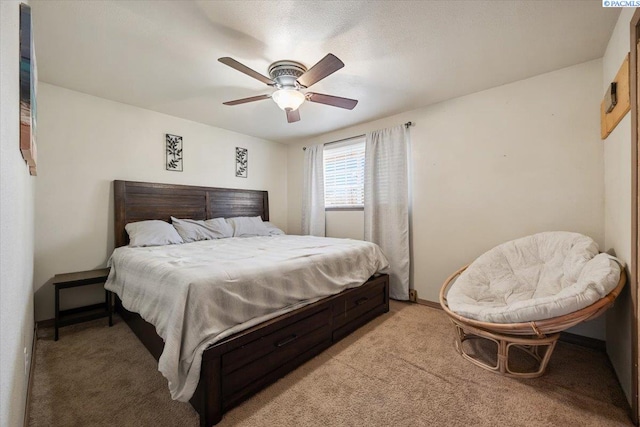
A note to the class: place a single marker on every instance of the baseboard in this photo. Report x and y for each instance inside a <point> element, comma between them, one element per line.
<point>429,303</point>
<point>32,364</point>
<point>588,342</point>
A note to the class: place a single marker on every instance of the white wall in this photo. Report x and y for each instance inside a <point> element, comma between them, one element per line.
<point>16,231</point>
<point>493,166</point>
<point>617,177</point>
<point>87,142</point>
<point>345,224</point>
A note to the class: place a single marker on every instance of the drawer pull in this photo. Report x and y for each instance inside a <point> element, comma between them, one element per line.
<point>361,300</point>
<point>287,340</point>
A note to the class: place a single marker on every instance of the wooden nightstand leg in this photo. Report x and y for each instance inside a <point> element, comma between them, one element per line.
<point>109,307</point>
<point>57,316</point>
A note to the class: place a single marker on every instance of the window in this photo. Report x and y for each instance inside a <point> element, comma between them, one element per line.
<point>344,175</point>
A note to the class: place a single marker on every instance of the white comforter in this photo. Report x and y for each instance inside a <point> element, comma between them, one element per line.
<point>534,278</point>
<point>199,293</point>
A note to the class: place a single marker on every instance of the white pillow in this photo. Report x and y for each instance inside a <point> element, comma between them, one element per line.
<point>152,233</point>
<point>273,230</point>
<point>221,226</point>
<point>192,230</point>
<point>245,226</point>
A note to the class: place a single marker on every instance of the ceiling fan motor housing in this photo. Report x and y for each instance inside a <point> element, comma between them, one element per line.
<point>286,73</point>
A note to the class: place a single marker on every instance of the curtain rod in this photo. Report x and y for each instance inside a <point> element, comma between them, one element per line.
<point>406,125</point>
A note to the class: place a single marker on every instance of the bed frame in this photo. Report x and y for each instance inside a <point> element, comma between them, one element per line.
<point>241,365</point>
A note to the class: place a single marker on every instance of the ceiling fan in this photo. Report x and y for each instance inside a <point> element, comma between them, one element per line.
<point>290,78</point>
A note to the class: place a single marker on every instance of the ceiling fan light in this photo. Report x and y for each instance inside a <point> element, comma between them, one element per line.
<point>288,98</point>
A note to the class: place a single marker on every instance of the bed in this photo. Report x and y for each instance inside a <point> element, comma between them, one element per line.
<point>237,366</point>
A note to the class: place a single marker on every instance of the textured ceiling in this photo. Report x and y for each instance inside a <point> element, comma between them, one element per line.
<point>399,55</point>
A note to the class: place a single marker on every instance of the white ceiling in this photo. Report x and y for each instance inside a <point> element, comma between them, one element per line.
<point>399,55</point>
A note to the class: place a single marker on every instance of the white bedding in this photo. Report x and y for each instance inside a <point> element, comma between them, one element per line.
<point>534,278</point>
<point>198,293</point>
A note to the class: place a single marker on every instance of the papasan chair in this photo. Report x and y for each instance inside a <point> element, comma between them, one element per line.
<point>523,293</point>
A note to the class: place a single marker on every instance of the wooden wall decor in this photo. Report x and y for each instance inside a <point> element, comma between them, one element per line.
<point>609,121</point>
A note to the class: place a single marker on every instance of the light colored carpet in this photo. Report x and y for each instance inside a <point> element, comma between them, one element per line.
<point>401,369</point>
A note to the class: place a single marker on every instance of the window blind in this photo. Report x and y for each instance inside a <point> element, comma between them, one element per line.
<point>344,174</point>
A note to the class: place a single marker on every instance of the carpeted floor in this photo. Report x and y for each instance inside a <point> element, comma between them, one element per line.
<point>401,370</point>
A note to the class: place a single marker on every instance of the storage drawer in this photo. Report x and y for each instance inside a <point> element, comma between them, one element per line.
<point>361,306</point>
<point>241,366</point>
<point>359,301</point>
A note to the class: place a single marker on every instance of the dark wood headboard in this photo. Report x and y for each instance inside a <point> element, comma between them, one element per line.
<point>139,201</point>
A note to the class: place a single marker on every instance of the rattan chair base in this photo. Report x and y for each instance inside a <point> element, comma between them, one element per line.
<point>537,348</point>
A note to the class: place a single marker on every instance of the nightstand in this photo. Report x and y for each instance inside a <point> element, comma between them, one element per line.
<point>81,314</point>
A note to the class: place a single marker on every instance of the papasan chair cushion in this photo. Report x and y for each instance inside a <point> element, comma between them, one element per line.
<point>534,278</point>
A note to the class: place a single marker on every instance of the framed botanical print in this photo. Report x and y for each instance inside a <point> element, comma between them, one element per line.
<point>173,152</point>
<point>242,162</point>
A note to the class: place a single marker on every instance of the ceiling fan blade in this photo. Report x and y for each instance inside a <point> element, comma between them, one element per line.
<point>244,69</point>
<point>334,101</point>
<point>245,100</point>
<point>293,115</point>
<point>326,66</point>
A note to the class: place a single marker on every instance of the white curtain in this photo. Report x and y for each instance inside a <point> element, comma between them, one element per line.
<point>386,202</point>
<point>313,196</point>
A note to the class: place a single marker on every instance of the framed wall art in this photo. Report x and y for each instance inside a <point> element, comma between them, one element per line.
<point>242,162</point>
<point>28,90</point>
<point>173,153</point>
